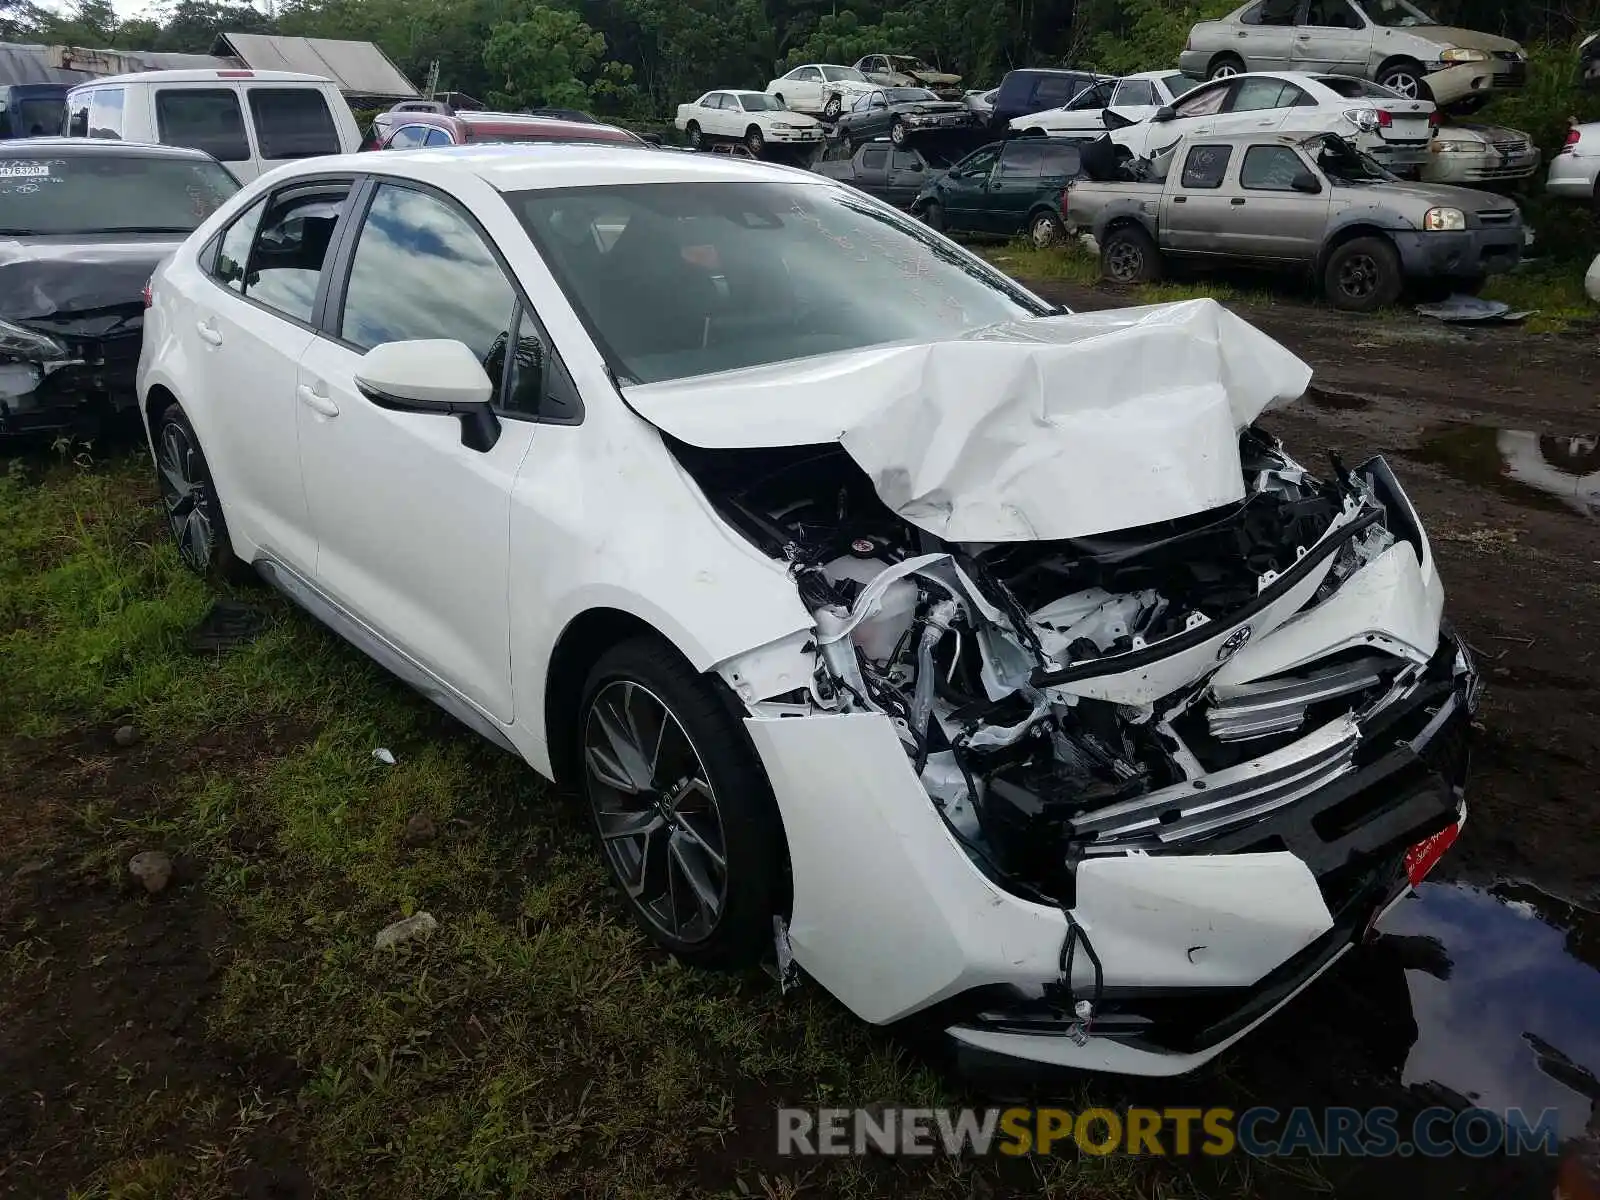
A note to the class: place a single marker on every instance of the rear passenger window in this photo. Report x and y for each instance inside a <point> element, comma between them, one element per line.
<point>233,254</point>
<point>293,123</point>
<point>1206,166</point>
<point>105,113</point>
<point>422,270</point>
<point>204,119</point>
<point>1020,161</point>
<point>291,249</point>
<point>407,137</point>
<point>1060,160</point>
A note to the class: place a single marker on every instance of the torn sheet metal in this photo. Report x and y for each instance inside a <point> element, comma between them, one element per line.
<point>1463,309</point>
<point>1050,428</point>
<point>94,281</point>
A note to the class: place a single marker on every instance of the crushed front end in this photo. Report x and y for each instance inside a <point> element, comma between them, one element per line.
<point>1104,801</point>
<point>68,372</point>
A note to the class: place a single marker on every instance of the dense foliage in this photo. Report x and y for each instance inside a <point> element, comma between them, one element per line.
<point>639,57</point>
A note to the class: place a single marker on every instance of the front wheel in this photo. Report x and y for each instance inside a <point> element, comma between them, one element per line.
<point>697,140</point>
<point>189,495</point>
<point>754,141</point>
<point>1363,275</point>
<point>832,109</point>
<point>680,806</point>
<point>1130,255</point>
<point>897,132</point>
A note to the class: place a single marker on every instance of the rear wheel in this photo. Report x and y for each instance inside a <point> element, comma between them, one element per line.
<point>1045,229</point>
<point>189,495</point>
<point>1226,66</point>
<point>680,806</point>
<point>754,141</point>
<point>1363,275</point>
<point>1130,255</point>
<point>697,140</point>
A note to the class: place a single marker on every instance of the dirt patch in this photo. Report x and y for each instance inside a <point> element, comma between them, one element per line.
<point>106,988</point>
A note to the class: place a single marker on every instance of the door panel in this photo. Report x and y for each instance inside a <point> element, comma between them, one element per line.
<point>1014,185</point>
<point>1275,221</point>
<point>1195,211</point>
<point>412,525</point>
<point>1333,39</point>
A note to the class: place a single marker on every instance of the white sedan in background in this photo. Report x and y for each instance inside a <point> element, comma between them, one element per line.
<point>754,118</point>
<point>822,89</point>
<point>1395,131</point>
<point>1132,99</point>
<point>931,646</point>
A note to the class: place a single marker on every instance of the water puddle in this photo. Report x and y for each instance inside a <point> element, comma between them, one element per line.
<point>1535,470</point>
<point>1504,986</point>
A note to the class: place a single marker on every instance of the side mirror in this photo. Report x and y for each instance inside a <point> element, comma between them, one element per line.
<point>1306,182</point>
<point>1165,113</point>
<point>437,376</point>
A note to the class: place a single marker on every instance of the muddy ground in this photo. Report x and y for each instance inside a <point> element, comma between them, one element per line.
<point>1486,991</point>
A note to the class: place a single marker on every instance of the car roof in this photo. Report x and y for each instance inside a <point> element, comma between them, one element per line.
<point>1068,71</point>
<point>479,120</point>
<point>77,147</point>
<point>218,75</point>
<point>739,92</point>
<point>1157,74</point>
<point>524,166</point>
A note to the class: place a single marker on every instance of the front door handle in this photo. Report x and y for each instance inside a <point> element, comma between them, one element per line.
<point>316,401</point>
<point>209,333</point>
<point>1236,201</point>
<point>1180,199</point>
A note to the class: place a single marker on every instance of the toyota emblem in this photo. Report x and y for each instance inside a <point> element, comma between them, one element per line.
<point>1235,643</point>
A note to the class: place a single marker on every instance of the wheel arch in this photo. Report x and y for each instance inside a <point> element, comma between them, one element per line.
<point>1224,56</point>
<point>1406,60</point>
<point>1349,233</point>
<point>157,400</point>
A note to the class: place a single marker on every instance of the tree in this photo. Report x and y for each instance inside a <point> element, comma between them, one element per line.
<point>17,19</point>
<point>546,58</point>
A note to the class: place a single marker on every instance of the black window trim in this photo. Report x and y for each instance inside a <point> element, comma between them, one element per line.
<point>305,183</point>
<point>330,313</point>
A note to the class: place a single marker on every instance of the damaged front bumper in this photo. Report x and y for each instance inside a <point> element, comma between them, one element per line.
<point>50,383</point>
<point>1315,756</point>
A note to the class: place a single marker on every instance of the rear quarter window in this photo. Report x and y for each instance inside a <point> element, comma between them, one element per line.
<point>293,123</point>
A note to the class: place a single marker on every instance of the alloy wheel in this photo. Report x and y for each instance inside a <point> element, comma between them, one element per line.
<point>1358,276</point>
<point>1224,71</point>
<point>657,813</point>
<point>185,491</point>
<point>1407,84</point>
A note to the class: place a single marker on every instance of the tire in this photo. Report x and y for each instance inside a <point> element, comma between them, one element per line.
<point>697,140</point>
<point>897,132</point>
<point>1225,66</point>
<point>189,495</point>
<point>1363,275</point>
<point>1130,255</point>
<point>754,141</point>
<point>1407,78</point>
<point>932,215</point>
<point>1045,230</point>
<point>832,109</point>
<point>666,835</point>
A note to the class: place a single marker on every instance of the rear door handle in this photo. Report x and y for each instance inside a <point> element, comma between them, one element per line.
<point>209,333</point>
<point>1236,201</point>
<point>316,401</point>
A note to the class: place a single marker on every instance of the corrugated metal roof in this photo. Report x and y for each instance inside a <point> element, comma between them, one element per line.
<point>22,63</point>
<point>359,68</point>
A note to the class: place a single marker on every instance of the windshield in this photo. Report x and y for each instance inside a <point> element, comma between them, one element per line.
<point>95,193</point>
<point>1394,14</point>
<point>1177,85</point>
<point>681,279</point>
<point>903,64</point>
<point>1343,163</point>
<point>843,75</point>
<point>908,95</point>
<point>761,102</point>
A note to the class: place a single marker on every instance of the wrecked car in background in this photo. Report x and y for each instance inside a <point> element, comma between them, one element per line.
<point>903,70</point>
<point>1472,154</point>
<point>83,223</point>
<point>992,664</point>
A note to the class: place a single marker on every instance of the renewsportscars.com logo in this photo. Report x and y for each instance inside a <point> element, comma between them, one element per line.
<point>1259,1132</point>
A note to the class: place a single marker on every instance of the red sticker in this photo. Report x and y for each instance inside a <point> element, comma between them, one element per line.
<point>1425,855</point>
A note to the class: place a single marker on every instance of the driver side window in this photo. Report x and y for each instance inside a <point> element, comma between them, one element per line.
<point>1333,14</point>
<point>977,166</point>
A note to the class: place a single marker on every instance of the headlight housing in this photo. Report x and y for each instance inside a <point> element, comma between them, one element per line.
<point>1444,220</point>
<point>28,345</point>
<point>1460,54</point>
<point>1449,147</point>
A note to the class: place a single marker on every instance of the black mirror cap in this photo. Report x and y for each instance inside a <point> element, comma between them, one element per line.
<point>1165,113</point>
<point>480,428</point>
<point>1308,183</point>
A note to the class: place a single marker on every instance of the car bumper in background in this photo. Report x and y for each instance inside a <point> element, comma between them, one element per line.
<point>1573,177</point>
<point>1461,254</point>
<point>1485,167</point>
<point>1474,79</point>
<point>809,136</point>
<point>1400,157</point>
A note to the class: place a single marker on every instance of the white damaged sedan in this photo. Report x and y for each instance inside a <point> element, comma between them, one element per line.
<point>989,661</point>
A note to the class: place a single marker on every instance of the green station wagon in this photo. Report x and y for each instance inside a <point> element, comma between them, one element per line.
<point>1005,188</point>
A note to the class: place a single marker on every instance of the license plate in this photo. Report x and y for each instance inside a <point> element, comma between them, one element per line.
<point>24,170</point>
<point>1425,855</point>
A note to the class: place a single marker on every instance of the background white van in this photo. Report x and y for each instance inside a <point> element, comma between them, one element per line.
<point>250,121</point>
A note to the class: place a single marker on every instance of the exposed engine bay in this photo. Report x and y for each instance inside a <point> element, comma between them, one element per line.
<point>1065,699</point>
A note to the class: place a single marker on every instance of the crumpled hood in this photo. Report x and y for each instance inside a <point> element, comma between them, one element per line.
<point>1450,35</point>
<point>53,277</point>
<point>1047,428</point>
<point>931,106</point>
<point>941,78</point>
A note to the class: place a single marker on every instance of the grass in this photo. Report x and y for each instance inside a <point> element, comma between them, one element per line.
<point>534,1046</point>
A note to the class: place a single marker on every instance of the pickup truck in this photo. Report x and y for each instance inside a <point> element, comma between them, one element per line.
<point>881,169</point>
<point>1309,202</point>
